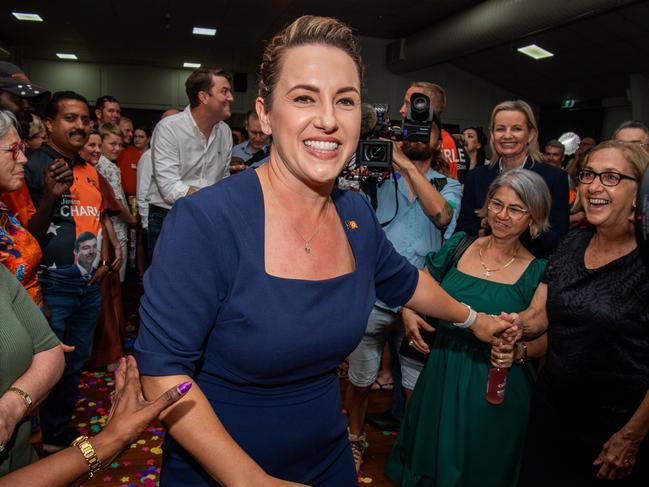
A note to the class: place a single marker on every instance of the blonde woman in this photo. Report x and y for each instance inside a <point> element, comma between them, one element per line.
<point>514,144</point>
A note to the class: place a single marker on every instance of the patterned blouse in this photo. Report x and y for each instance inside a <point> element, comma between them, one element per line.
<point>111,172</point>
<point>20,253</point>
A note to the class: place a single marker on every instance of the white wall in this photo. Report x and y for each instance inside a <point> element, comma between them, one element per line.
<point>134,86</point>
<point>469,98</point>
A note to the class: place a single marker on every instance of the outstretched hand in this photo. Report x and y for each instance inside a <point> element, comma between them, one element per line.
<point>130,413</point>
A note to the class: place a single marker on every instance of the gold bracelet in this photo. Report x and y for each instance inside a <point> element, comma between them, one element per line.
<point>23,395</point>
<point>88,452</point>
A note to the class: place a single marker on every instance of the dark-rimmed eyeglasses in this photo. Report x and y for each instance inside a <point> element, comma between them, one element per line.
<point>607,178</point>
<point>514,212</point>
<point>16,148</point>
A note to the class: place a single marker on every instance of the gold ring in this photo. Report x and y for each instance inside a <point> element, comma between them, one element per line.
<point>500,361</point>
<point>411,343</point>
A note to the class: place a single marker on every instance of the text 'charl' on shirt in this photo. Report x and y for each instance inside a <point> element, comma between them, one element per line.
<point>74,235</point>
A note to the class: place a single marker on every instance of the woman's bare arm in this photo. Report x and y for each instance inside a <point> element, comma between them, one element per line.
<point>193,423</point>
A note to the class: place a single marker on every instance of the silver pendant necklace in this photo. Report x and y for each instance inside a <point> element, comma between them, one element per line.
<point>307,241</point>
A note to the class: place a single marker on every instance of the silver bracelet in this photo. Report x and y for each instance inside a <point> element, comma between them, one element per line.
<point>473,315</point>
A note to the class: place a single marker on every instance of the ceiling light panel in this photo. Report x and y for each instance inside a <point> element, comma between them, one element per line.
<point>535,52</point>
<point>62,55</point>
<point>191,65</point>
<point>204,31</point>
<point>28,17</point>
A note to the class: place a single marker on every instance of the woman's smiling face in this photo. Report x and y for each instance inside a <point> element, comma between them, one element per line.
<point>510,133</point>
<point>608,206</point>
<point>315,115</point>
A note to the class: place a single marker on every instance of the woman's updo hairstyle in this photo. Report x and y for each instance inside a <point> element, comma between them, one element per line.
<point>305,30</point>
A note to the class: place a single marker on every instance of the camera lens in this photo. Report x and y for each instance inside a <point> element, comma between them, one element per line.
<point>420,104</point>
<point>375,153</point>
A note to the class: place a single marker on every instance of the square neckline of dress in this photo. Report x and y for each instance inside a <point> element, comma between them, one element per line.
<point>262,206</point>
<point>515,283</point>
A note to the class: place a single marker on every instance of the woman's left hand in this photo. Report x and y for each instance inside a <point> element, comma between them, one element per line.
<point>502,353</point>
<point>618,457</point>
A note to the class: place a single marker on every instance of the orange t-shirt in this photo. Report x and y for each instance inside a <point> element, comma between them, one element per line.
<point>20,204</point>
<point>449,149</point>
<point>127,163</point>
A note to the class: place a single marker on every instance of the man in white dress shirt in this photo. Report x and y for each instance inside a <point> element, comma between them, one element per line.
<point>192,149</point>
<point>144,174</point>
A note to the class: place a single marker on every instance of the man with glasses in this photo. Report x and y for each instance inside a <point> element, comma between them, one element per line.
<point>255,149</point>
<point>633,131</point>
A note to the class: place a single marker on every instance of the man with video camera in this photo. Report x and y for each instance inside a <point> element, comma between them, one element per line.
<point>416,205</point>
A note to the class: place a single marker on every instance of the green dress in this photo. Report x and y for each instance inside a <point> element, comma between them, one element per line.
<point>24,332</point>
<point>451,436</point>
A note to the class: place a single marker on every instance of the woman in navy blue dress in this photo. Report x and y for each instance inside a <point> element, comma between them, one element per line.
<point>263,283</point>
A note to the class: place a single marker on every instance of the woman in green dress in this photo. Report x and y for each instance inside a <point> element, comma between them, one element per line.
<point>451,435</point>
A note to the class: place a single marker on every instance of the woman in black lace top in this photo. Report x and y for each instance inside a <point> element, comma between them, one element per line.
<point>590,411</point>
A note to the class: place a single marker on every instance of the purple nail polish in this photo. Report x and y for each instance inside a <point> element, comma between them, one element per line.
<point>184,387</point>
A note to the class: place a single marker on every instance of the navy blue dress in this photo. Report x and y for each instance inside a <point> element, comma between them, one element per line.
<point>263,349</point>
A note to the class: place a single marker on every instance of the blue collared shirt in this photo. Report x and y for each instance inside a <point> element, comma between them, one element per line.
<point>243,150</point>
<point>412,232</point>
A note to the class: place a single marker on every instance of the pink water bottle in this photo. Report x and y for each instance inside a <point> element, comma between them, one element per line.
<point>496,382</point>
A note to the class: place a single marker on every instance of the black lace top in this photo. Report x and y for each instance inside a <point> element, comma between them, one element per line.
<point>598,338</point>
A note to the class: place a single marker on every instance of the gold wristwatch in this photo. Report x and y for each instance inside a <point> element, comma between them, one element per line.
<point>23,395</point>
<point>88,452</point>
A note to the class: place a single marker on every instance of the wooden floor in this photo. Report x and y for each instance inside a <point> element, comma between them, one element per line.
<point>379,442</point>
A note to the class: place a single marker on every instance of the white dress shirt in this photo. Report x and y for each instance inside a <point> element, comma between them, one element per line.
<point>144,175</point>
<point>182,158</point>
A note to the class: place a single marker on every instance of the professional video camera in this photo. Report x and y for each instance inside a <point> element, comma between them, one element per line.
<point>374,153</point>
<point>642,217</point>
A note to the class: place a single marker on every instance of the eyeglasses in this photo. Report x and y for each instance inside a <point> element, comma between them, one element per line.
<point>608,178</point>
<point>16,148</point>
<point>514,212</point>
